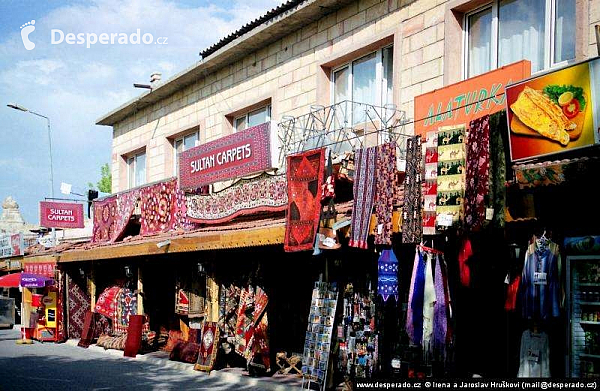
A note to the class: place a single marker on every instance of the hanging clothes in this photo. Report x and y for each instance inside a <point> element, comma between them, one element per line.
<point>412,227</point>
<point>540,281</point>
<point>387,279</point>
<point>451,173</point>
<point>429,309</point>
<point>497,169</point>
<point>511,295</point>
<point>440,316</point>
<point>429,300</point>
<point>535,355</point>
<point>414,316</point>
<point>477,176</point>
<point>464,254</point>
<point>430,182</point>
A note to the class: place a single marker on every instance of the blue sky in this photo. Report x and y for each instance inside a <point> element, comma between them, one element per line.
<point>74,85</point>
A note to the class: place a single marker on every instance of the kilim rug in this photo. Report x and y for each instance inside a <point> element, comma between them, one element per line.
<point>107,303</point>
<point>412,228</point>
<point>134,335</point>
<point>245,320</point>
<point>209,346</point>
<point>105,212</point>
<point>88,330</point>
<point>158,207</point>
<point>364,193</point>
<point>305,172</point>
<point>386,183</point>
<point>78,303</point>
<point>265,193</point>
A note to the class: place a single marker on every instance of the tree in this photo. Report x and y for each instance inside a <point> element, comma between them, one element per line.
<point>105,182</point>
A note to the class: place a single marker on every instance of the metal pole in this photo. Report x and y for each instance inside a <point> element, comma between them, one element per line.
<point>51,167</point>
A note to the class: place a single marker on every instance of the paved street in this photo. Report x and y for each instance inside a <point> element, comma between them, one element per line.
<point>49,366</point>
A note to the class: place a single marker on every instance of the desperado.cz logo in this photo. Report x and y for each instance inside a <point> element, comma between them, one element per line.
<point>57,37</point>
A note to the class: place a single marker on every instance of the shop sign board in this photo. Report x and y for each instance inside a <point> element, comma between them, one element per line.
<point>11,245</point>
<point>61,214</point>
<point>554,112</point>
<point>239,154</point>
<point>40,268</point>
<point>461,102</point>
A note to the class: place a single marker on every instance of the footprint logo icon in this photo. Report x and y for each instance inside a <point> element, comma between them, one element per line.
<point>27,29</point>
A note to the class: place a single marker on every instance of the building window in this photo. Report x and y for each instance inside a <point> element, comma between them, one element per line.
<point>183,144</point>
<point>252,118</point>
<point>136,169</point>
<point>506,31</point>
<point>367,80</point>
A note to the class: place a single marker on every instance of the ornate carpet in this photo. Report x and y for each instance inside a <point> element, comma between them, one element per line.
<point>305,172</point>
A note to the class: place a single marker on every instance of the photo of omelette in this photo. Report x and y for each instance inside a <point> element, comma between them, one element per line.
<point>536,115</point>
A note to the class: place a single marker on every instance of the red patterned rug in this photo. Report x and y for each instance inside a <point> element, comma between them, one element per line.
<point>209,346</point>
<point>305,172</point>
<point>159,205</point>
<point>78,303</point>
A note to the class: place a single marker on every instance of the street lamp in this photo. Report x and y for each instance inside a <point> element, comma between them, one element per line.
<point>21,108</point>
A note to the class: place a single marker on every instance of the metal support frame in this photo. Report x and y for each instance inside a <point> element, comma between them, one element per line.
<point>343,126</point>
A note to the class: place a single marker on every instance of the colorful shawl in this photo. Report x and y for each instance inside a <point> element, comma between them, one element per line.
<point>414,316</point>
<point>265,193</point>
<point>440,319</point>
<point>497,170</point>
<point>244,320</point>
<point>364,193</point>
<point>428,300</point>
<point>78,304</point>
<point>209,347</point>
<point>386,183</point>
<point>477,176</point>
<point>412,229</point>
<point>305,173</point>
<point>451,172</point>
<point>387,280</point>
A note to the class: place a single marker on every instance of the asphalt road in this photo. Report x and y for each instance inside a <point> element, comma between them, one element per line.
<point>49,366</point>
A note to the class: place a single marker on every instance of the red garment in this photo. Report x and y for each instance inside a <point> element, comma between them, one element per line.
<point>463,255</point>
<point>511,294</point>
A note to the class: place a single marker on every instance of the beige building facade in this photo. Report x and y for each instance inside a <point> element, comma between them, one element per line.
<point>318,52</point>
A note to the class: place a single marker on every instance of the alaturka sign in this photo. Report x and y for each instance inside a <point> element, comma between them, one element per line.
<point>239,154</point>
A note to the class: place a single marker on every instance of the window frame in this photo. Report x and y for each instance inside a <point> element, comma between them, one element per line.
<point>181,138</point>
<point>132,161</point>
<point>379,75</point>
<point>246,117</point>
<point>549,38</point>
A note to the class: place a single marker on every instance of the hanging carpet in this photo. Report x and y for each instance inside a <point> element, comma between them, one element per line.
<point>364,194</point>
<point>305,172</point>
<point>78,303</point>
<point>209,346</point>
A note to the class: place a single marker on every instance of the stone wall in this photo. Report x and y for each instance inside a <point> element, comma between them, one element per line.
<point>294,73</point>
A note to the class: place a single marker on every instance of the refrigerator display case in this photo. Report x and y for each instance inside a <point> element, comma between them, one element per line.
<point>583,304</point>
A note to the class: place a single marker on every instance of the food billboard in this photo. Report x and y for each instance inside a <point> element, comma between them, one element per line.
<point>555,112</point>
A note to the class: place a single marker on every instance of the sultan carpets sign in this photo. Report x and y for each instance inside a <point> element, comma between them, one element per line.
<point>61,215</point>
<point>233,156</point>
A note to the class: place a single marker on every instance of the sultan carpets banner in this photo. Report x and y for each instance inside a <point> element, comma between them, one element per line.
<point>61,214</point>
<point>265,193</point>
<point>233,156</point>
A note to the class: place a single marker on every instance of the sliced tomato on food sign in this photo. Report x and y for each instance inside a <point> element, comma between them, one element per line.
<point>571,109</point>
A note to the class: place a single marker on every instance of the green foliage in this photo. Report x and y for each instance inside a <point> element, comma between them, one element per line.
<point>553,91</point>
<point>105,182</point>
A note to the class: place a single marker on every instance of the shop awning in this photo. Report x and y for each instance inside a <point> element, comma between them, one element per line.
<point>238,235</point>
<point>26,280</point>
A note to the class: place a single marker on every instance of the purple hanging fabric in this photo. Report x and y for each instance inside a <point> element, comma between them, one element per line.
<point>414,320</point>
<point>387,279</point>
<point>440,321</point>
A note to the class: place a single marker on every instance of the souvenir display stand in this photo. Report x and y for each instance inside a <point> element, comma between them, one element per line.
<point>317,345</point>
